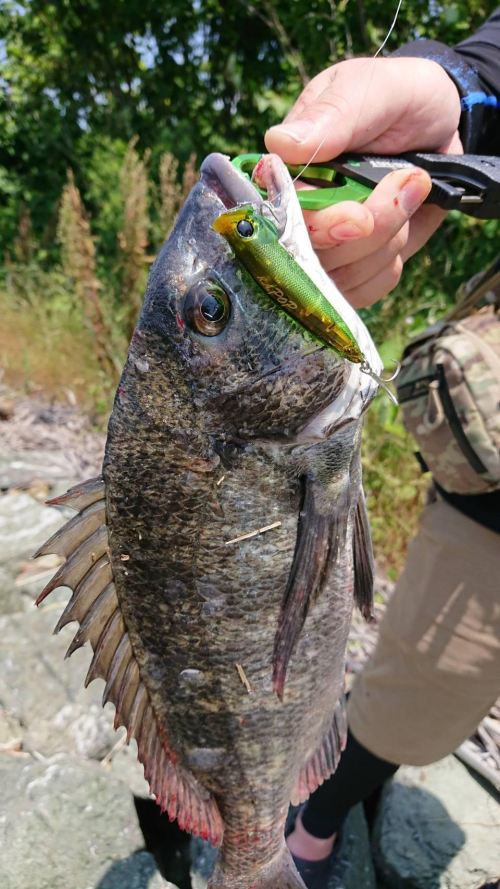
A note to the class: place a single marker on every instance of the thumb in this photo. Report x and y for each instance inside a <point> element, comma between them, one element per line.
<point>337,109</point>
<point>385,105</point>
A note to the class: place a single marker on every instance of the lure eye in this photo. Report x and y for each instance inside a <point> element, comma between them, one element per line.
<point>207,308</point>
<point>245,228</point>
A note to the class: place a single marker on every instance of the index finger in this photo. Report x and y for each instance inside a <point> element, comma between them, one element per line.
<point>391,204</point>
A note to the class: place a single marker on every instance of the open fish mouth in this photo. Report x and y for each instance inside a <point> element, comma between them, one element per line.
<point>218,174</point>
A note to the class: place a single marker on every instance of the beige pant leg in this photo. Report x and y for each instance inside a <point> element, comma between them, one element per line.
<point>436,669</point>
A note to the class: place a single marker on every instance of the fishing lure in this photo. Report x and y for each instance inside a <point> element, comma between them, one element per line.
<point>255,241</point>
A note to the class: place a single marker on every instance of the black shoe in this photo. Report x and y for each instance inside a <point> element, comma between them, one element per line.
<point>314,873</point>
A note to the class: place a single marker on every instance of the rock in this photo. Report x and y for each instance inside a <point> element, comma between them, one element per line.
<point>11,733</point>
<point>437,826</point>
<point>24,525</point>
<point>67,823</point>
<point>352,867</point>
<point>19,469</point>
<point>125,766</point>
<point>45,693</point>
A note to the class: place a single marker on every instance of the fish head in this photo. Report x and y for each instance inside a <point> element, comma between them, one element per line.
<point>250,370</point>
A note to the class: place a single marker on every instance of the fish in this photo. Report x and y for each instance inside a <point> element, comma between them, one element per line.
<point>215,562</point>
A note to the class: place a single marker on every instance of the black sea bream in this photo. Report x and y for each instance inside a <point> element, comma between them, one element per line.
<point>224,653</point>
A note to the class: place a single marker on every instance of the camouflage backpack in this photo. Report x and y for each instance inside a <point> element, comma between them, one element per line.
<point>449,392</point>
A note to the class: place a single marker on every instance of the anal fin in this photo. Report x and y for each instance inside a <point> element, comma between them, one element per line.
<point>325,759</point>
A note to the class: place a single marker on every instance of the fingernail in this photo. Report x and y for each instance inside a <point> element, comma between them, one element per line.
<point>298,131</point>
<point>342,231</point>
<point>412,195</point>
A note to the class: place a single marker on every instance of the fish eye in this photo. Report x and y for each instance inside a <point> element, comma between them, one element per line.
<point>245,228</point>
<point>207,308</point>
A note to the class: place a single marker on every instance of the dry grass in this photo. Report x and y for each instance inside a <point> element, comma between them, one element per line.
<point>78,258</point>
<point>25,243</point>
<point>54,354</point>
<point>133,237</point>
<point>170,193</point>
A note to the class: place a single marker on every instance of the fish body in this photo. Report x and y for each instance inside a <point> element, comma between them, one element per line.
<point>225,656</point>
<point>255,241</point>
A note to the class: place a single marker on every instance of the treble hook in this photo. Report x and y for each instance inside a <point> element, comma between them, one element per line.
<point>366,368</point>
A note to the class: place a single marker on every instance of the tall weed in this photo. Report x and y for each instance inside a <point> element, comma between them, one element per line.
<point>133,238</point>
<point>78,259</point>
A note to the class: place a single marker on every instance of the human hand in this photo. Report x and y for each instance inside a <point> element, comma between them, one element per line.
<point>380,106</point>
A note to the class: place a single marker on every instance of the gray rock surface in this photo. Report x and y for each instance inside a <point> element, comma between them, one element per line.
<point>45,693</point>
<point>438,828</point>
<point>21,468</point>
<point>24,525</point>
<point>65,823</point>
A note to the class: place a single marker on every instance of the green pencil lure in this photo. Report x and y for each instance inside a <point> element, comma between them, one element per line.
<point>255,241</point>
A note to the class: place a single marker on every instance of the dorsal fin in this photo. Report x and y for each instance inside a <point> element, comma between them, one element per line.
<point>94,604</point>
<point>320,534</point>
<point>325,759</point>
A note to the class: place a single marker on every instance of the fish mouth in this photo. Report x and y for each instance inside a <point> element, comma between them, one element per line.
<point>221,177</point>
<point>233,188</point>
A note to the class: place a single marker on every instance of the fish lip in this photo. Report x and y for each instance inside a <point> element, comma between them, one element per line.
<point>228,184</point>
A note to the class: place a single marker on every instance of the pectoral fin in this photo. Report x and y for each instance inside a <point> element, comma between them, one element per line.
<point>363,559</point>
<point>321,535</point>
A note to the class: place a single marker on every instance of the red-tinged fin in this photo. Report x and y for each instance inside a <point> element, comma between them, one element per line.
<point>325,760</point>
<point>82,495</point>
<point>279,873</point>
<point>364,569</point>
<point>177,792</point>
<point>321,534</point>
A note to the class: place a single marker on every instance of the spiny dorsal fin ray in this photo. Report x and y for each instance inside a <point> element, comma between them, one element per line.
<point>82,495</point>
<point>325,759</point>
<point>320,535</point>
<point>73,533</point>
<point>78,563</point>
<point>117,670</point>
<point>362,551</point>
<point>95,620</point>
<point>87,591</point>
<point>95,605</point>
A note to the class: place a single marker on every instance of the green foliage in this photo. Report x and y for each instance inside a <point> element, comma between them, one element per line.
<point>79,80</point>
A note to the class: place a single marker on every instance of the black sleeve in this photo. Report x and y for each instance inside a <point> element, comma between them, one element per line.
<point>474,67</point>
